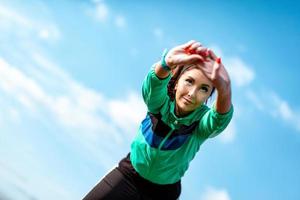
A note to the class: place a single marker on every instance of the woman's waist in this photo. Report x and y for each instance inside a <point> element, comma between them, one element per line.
<point>148,175</point>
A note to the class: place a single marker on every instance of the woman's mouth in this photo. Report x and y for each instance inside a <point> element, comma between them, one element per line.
<point>187,100</point>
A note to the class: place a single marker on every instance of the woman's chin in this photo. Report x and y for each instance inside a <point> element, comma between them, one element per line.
<point>184,110</point>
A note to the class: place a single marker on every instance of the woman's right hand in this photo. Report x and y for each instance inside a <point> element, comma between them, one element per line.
<point>188,53</point>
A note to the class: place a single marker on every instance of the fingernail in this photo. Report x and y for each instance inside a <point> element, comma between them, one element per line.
<point>207,52</point>
<point>192,51</point>
<point>186,50</point>
<point>218,60</point>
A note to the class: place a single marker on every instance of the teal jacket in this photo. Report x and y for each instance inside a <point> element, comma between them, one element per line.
<point>166,144</point>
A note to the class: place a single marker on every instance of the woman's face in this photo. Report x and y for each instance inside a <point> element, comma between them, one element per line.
<point>192,90</point>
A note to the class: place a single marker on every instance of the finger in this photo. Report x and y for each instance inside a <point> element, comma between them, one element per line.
<point>215,70</point>
<point>212,54</point>
<point>206,70</point>
<point>193,58</point>
<point>194,46</point>
<point>202,51</point>
<point>188,44</point>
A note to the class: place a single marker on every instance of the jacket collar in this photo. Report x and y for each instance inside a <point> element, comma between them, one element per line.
<point>190,118</point>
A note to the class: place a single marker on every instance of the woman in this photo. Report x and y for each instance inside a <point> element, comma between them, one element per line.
<point>177,123</point>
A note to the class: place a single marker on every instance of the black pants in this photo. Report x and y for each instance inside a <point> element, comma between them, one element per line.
<point>123,183</point>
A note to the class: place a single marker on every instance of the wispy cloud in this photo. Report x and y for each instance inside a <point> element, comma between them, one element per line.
<point>34,87</point>
<point>121,112</point>
<point>21,186</point>
<point>241,75</point>
<point>271,103</point>
<point>212,193</point>
<point>86,115</point>
<point>103,14</point>
<point>101,11</point>
<point>229,133</point>
<point>265,100</point>
<point>93,121</point>
<point>12,20</point>
<point>280,109</point>
<point>255,99</point>
<point>240,72</point>
<point>120,21</point>
<point>76,106</point>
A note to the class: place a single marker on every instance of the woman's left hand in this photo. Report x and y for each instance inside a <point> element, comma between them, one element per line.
<point>215,71</point>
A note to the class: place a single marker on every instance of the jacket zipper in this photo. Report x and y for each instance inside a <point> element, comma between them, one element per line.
<point>159,148</point>
<point>165,139</point>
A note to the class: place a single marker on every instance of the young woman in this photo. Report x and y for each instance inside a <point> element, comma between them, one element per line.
<point>177,123</point>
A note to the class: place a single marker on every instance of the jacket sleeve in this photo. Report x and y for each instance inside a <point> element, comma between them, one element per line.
<point>154,91</point>
<point>213,123</point>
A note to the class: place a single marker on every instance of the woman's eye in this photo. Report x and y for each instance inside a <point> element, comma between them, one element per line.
<point>204,89</point>
<point>189,81</point>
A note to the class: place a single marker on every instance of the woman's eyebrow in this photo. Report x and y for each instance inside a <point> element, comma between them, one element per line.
<point>203,84</point>
<point>191,77</point>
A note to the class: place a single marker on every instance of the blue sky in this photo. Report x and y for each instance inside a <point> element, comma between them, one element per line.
<point>70,101</point>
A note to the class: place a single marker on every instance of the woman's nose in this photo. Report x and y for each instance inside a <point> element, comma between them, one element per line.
<point>192,92</point>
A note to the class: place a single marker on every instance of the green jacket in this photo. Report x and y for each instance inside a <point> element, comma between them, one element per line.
<point>165,144</point>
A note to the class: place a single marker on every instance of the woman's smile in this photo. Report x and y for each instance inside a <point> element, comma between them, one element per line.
<point>187,100</point>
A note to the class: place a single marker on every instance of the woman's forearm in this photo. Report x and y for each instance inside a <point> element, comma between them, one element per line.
<point>160,71</point>
<point>223,101</point>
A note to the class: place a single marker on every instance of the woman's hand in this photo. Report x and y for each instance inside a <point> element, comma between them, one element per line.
<point>188,53</point>
<point>215,71</point>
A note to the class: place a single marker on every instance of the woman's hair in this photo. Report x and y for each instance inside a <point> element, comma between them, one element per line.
<point>176,74</point>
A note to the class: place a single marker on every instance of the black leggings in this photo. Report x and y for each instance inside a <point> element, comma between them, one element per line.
<point>117,185</point>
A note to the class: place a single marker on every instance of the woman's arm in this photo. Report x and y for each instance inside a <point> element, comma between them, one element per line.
<point>216,72</point>
<point>223,86</point>
<point>154,88</point>
<point>223,101</point>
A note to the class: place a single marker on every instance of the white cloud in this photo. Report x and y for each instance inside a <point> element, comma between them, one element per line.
<point>93,121</point>
<point>282,110</point>
<point>240,73</point>
<point>78,107</point>
<point>120,21</point>
<point>271,103</point>
<point>265,101</point>
<point>215,194</point>
<point>27,28</point>
<point>49,32</point>
<point>14,114</point>
<point>123,114</point>
<point>34,88</point>
<point>253,97</point>
<point>229,133</point>
<point>20,186</point>
<point>104,15</point>
<point>8,16</point>
<point>97,1</point>
<point>101,12</point>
